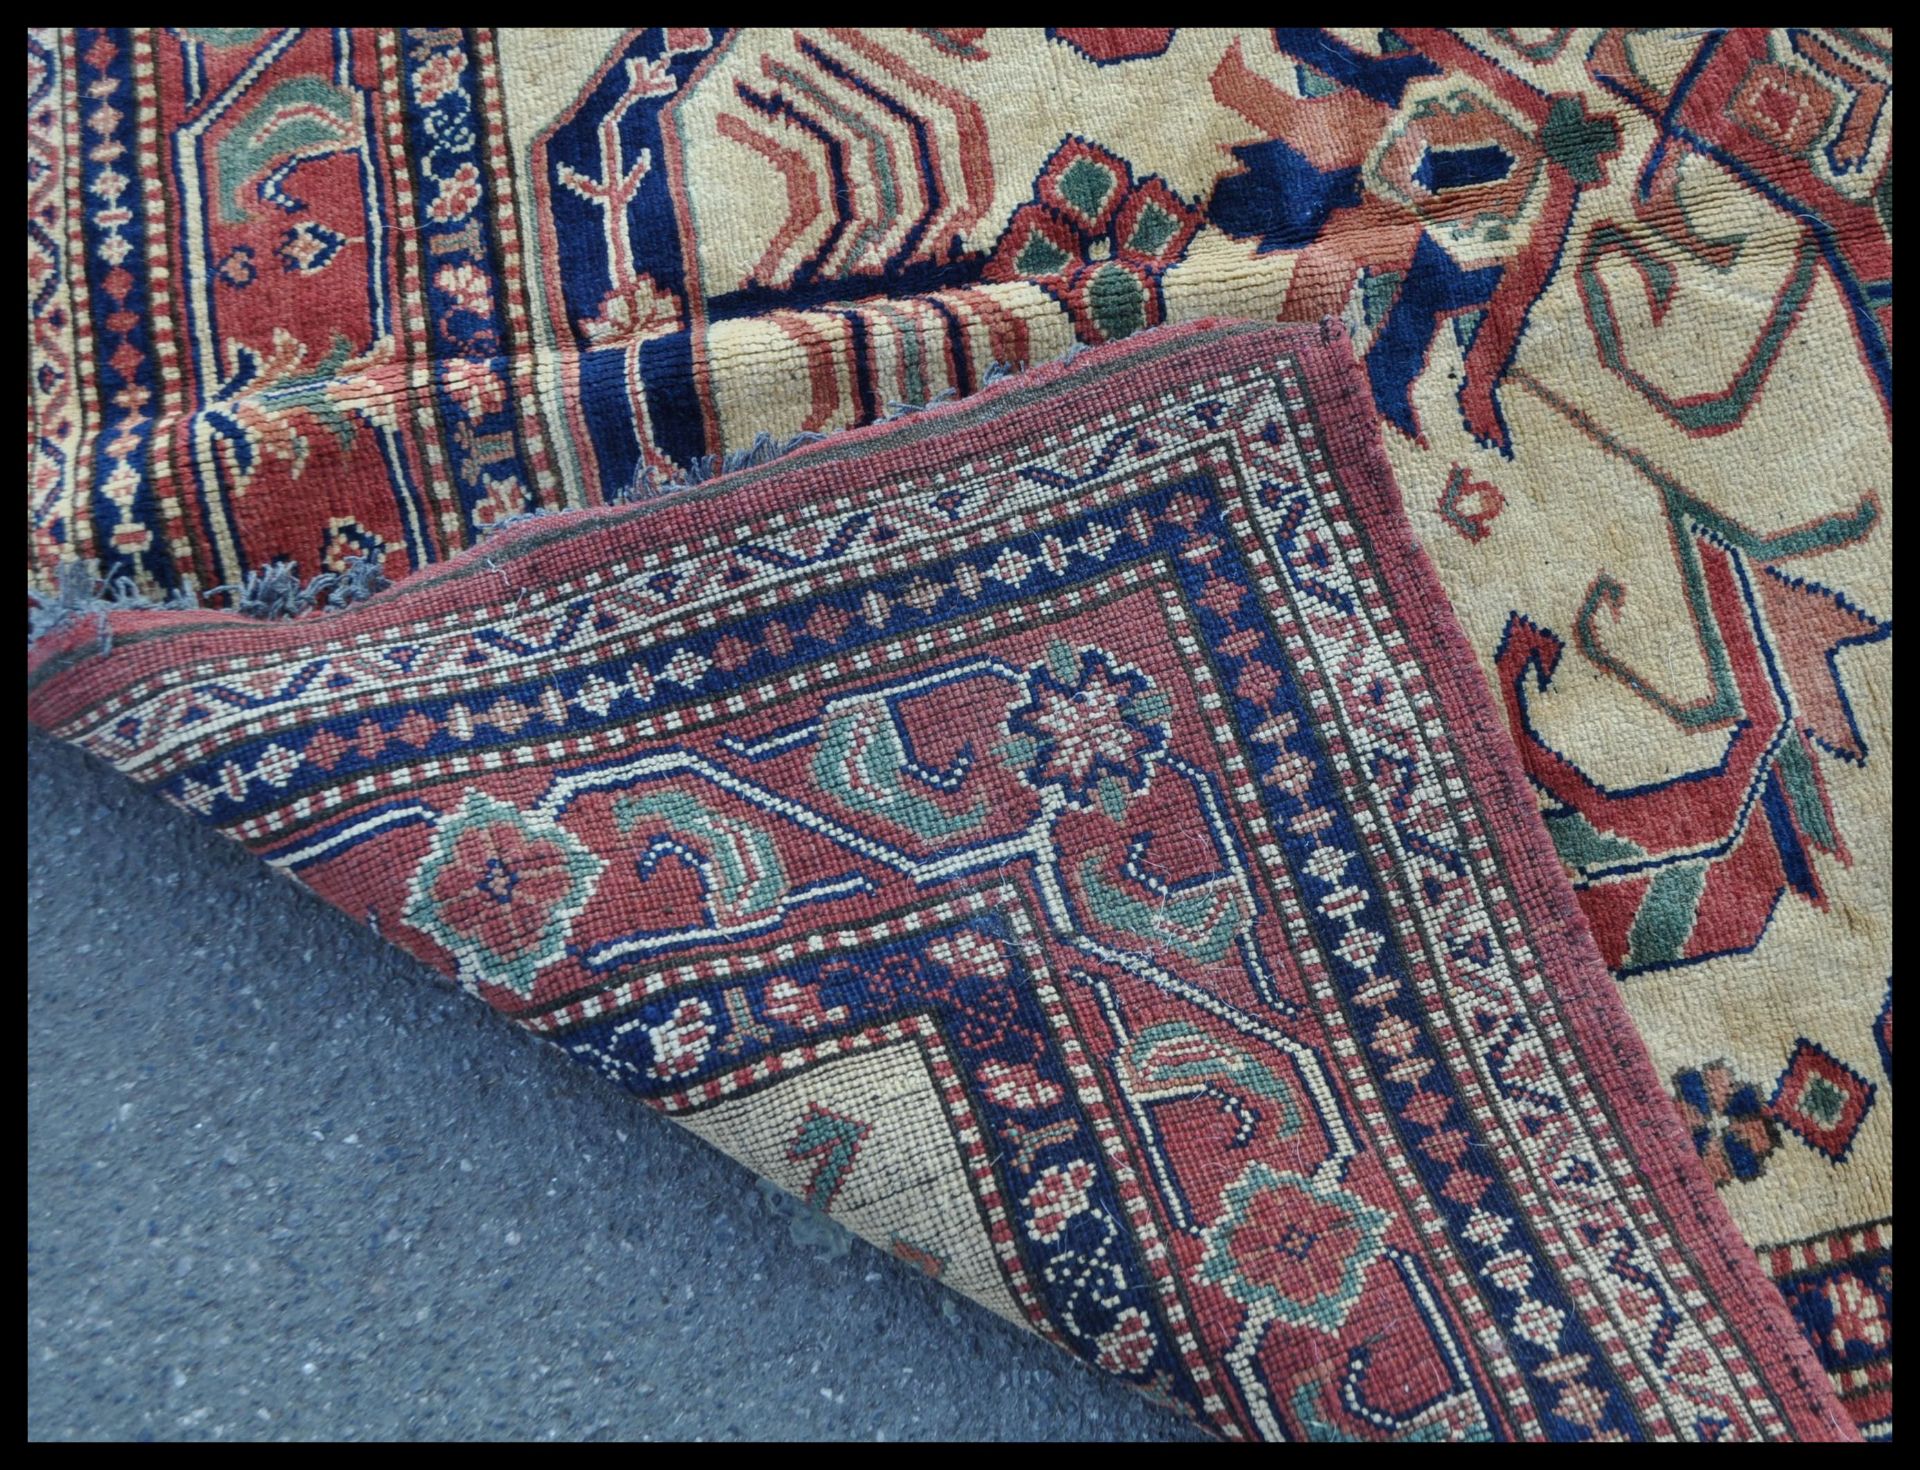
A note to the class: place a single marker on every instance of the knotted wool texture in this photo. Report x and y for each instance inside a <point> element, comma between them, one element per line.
<point>309,308</point>
<point>1065,836</point>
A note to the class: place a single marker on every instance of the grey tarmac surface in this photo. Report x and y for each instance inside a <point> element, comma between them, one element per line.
<point>283,1183</point>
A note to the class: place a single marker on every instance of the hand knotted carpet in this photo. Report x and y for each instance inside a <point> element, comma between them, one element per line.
<point>1063,835</point>
<point>345,300</point>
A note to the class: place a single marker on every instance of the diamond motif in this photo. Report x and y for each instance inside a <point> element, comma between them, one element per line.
<point>1822,1099</point>
<point>685,668</point>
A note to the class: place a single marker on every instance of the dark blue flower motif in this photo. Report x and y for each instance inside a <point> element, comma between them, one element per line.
<point>1732,1130</point>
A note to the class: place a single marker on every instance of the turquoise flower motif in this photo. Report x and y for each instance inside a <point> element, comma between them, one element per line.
<point>1291,1250</point>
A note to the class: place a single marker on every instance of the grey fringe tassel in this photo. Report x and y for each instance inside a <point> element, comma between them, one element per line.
<point>78,593</point>
<point>276,591</point>
<point>766,448</point>
<point>650,482</point>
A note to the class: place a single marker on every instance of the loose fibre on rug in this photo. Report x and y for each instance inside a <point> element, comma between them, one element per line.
<point>344,300</point>
<point>1064,836</point>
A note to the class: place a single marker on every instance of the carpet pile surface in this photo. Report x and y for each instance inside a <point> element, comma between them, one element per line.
<point>311,311</point>
<point>1063,836</point>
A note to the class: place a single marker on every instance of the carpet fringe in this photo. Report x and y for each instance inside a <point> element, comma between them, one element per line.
<point>275,592</point>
